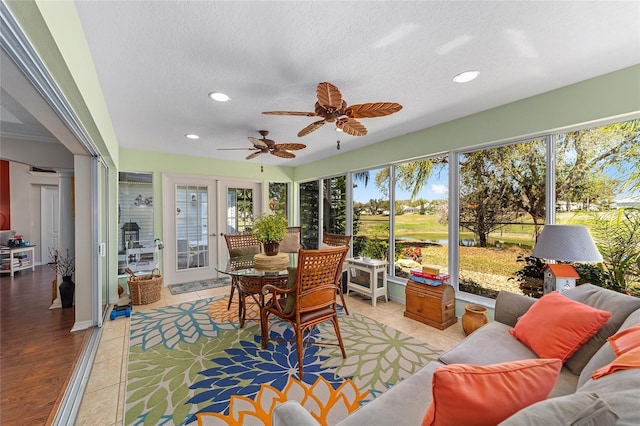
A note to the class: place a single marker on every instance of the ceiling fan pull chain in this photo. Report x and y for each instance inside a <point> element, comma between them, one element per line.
<point>338,144</point>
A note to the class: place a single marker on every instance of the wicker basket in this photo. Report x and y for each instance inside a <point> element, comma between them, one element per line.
<point>144,289</point>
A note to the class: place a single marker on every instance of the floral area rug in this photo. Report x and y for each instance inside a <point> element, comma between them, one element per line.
<point>191,364</point>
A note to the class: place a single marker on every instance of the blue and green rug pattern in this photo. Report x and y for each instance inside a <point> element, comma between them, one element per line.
<point>192,364</point>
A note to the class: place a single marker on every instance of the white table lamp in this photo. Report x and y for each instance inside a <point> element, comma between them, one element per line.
<point>565,243</point>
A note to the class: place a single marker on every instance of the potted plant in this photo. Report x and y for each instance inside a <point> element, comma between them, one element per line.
<point>64,266</point>
<point>270,229</point>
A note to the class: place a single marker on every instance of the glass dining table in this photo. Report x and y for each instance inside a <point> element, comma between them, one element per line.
<point>250,280</point>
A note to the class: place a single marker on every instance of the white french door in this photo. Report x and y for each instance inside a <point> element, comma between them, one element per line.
<point>189,228</point>
<point>197,212</point>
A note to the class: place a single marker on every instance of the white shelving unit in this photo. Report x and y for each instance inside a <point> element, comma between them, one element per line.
<point>14,259</point>
<point>141,260</point>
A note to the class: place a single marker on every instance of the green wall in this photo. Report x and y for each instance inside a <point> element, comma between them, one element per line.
<point>614,96</point>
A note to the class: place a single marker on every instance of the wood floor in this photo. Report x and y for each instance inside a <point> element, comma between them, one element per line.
<point>37,350</point>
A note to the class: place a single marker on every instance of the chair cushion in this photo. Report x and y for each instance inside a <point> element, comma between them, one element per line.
<point>290,243</point>
<point>469,395</point>
<point>556,326</point>
<point>244,251</point>
<point>291,282</point>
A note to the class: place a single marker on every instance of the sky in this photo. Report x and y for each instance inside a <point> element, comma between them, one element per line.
<point>437,188</point>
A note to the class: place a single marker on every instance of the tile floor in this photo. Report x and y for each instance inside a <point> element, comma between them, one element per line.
<point>103,402</point>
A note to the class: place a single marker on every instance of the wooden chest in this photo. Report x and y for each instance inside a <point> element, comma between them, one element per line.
<point>432,305</point>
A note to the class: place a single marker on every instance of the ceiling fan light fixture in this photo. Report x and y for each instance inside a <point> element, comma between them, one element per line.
<point>219,96</point>
<point>339,130</point>
<point>467,76</point>
<point>192,136</point>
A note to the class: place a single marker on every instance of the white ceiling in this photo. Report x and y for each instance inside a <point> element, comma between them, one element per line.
<point>158,60</point>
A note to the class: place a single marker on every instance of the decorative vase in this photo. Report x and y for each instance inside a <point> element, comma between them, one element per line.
<point>67,289</point>
<point>271,249</point>
<point>474,317</point>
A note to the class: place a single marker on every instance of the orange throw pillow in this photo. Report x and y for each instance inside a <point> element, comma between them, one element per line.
<point>556,326</point>
<point>625,340</point>
<point>626,361</point>
<point>474,395</point>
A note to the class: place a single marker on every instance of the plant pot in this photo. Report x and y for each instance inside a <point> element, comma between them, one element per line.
<point>67,289</point>
<point>474,317</point>
<point>271,249</point>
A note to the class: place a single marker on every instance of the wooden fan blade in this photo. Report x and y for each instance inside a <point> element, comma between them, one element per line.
<point>289,146</point>
<point>311,127</point>
<point>258,142</point>
<point>236,149</point>
<point>283,154</point>
<point>254,155</point>
<point>305,114</point>
<point>329,96</point>
<point>351,126</point>
<point>371,110</point>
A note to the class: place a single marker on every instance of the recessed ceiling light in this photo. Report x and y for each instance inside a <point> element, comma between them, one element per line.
<point>465,77</point>
<point>192,136</point>
<point>219,96</point>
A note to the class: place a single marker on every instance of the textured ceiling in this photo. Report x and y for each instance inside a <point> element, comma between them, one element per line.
<point>157,61</point>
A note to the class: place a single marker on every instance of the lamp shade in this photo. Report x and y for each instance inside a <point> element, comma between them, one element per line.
<point>566,243</point>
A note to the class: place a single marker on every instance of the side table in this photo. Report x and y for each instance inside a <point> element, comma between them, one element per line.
<point>367,277</point>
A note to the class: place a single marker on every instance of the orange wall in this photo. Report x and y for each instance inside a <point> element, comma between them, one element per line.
<point>5,197</point>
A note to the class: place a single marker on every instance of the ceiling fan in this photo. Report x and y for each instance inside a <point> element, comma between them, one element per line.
<point>332,108</point>
<point>267,146</point>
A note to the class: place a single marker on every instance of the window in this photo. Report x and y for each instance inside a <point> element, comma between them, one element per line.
<point>334,205</point>
<point>278,201</point>
<point>309,213</point>
<point>598,185</point>
<point>420,221</point>
<point>501,211</point>
<point>371,213</point>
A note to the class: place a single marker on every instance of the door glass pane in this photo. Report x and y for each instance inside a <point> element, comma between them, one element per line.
<point>421,215</point>
<point>239,210</point>
<point>192,208</point>
<point>309,214</point>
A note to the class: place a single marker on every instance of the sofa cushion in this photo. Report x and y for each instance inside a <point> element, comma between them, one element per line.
<point>408,399</point>
<point>578,409</point>
<point>625,340</point>
<point>556,326</point>
<point>621,390</point>
<point>619,304</point>
<point>626,361</point>
<point>470,395</point>
<point>605,354</point>
<point>490,344</point>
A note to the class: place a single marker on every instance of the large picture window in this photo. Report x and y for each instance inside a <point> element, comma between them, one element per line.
<point>501,212</point>
<point>421,223</point>
<point>371,214</point>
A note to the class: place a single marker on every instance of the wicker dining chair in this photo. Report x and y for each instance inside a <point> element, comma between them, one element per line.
<point>310,298</point>
<point>240,245</point>
<point>335,240</point>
